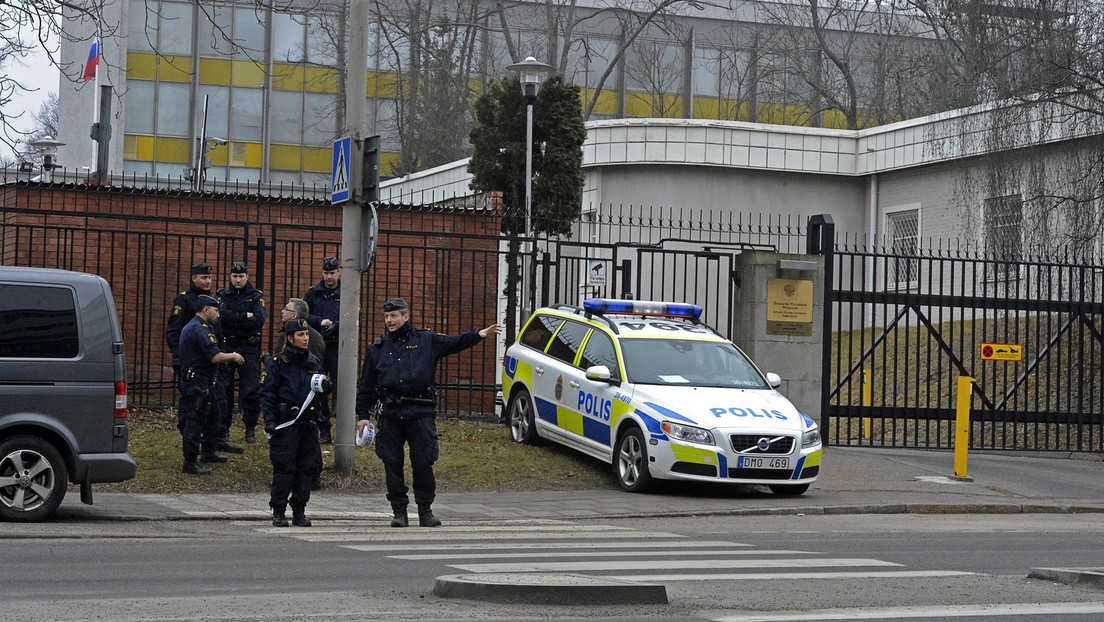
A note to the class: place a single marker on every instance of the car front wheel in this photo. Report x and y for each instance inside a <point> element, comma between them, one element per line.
<point>33,479</point>
<point>631,462</point>
<point>523,428</point>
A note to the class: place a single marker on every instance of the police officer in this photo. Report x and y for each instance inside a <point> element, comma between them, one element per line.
<point>398,374</point>
<point>297,309</point>
<point>242,315</point>
<point>200,357</point>
<point>324,301</point>
<point>293,433</point>
<point>183,309</point>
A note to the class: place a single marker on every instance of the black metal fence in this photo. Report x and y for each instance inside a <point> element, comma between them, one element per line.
<point>904,328</point>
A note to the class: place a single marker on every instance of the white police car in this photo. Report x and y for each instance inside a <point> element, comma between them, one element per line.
<point>648,388</point>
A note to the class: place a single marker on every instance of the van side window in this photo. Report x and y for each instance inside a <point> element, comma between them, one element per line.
<point>38,321</point>
<point>538,331</point>
<point>565,344</point>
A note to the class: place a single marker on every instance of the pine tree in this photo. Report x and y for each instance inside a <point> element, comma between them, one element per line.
<point>498,162</point>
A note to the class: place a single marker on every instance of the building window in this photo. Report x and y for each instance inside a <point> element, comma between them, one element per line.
<point>1003,218</point>
<point>903,236</point>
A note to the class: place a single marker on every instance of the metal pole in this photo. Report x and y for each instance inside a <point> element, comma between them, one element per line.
<point>356,64</point>
<point>531,246</point>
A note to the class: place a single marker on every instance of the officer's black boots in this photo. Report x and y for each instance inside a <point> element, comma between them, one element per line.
<point>278,519</point>
<point>193,468</point>
<point>250,436</point>
<point>400,519</point>
<point>324,436</point>
<point>212,458</point>
<point>426,517</point>
<point>299,518</point>
<point>229,448</point>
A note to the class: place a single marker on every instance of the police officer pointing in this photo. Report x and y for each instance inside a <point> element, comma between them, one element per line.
<point>398,375</point>
<point>199,360</point>
<point>242,314</point>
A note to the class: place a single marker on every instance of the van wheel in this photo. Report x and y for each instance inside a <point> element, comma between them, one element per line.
<point>523,427</point>
<point>33,479</point>
<point>790,490</point>
<point>631,462</point>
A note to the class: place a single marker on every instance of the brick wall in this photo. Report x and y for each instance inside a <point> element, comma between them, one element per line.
<point>444,261</point>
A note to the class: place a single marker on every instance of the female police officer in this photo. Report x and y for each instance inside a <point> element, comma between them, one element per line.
<point>290,420</point>
<point>398,374</point>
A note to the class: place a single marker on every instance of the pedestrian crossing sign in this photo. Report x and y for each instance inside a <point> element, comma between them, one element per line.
<point>340,190</point>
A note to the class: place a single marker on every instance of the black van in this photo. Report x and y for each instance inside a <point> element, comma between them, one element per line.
<point>63,392</point>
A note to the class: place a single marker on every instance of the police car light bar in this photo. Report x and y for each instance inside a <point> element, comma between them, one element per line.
<point>642,307</point>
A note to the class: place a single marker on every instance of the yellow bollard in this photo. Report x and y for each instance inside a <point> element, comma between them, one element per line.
<point>962,428</point>
<point>867,400</point>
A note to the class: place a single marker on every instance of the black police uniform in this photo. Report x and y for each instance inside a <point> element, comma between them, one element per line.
<point>183,310</point>
<point>325,304</point>
<point>242,334</point>
<point>399,371</point>
<point>197,419</point>
<point>294,451</point>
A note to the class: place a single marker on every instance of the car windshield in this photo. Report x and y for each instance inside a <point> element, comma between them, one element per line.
<point>689,363</point>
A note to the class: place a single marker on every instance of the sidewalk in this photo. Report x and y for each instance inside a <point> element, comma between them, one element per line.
<point>853,480</point>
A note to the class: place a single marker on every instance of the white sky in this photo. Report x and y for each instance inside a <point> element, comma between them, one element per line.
<point>35,72</point>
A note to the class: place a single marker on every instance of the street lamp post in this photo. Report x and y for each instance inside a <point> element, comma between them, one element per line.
<point>47,146</point>
<point>530,71</point>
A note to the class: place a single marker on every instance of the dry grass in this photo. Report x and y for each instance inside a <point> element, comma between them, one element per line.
<point>475,456</point>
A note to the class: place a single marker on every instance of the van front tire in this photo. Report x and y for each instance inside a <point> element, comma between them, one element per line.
<point>33,479</point>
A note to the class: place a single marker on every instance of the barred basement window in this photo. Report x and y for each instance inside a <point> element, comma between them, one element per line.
<point>903,235</point>
<point>1003,220</point>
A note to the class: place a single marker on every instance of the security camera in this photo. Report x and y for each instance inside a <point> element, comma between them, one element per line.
<point>218,141</point>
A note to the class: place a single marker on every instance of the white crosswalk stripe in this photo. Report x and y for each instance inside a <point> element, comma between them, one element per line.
<point>604,551</point>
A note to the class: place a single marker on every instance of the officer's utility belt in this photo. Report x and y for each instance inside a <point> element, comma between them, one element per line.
<point>190,373</point>
<point>286,409</point>
<point>236,340</point>
<point>393,401</point>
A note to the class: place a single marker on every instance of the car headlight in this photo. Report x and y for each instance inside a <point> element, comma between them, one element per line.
<point>687,433</point>
<point>811,437</point>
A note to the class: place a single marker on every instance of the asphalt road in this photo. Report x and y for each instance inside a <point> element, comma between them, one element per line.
<point>787,567</point>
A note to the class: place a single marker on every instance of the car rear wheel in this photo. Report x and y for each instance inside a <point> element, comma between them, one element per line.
<point>789,490</point>
<point>523,428</point>
<point>33,479</point>
<point>631,462</point>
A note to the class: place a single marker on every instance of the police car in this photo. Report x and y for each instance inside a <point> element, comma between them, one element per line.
<point>650,389</point>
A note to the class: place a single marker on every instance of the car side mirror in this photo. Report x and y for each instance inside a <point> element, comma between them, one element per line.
<point>599,373</point>
<point>774,380</point>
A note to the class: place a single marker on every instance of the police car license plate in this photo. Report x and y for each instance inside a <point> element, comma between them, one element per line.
<point>750,462</point>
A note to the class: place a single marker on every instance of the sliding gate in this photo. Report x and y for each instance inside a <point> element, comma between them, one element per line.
<point>903,329</point>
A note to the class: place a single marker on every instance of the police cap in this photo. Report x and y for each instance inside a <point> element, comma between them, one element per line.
<point>330,263</point>
<point>203,301</point>
<point>394,304</point>
<point>201,268</point>
<point>238,267</point>
<point>294,326</point>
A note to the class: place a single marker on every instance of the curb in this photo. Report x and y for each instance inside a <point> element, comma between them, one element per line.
<point>548,589</point>
<point>1089,577</point>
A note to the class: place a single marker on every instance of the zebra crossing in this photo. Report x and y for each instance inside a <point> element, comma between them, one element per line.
<point>602,551</point>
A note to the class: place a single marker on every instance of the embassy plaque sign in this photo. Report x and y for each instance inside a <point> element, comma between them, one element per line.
<point>790,307</point>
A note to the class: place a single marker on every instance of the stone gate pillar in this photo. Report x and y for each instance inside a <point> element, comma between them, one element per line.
<point>777,313</point>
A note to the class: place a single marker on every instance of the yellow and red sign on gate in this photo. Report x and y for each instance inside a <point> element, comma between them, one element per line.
<point>1002,352</point>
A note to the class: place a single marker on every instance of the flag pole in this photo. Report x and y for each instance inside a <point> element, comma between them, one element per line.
<point>96,97</point>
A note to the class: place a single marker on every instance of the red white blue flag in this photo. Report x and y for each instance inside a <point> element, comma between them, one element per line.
<point>93,61</point>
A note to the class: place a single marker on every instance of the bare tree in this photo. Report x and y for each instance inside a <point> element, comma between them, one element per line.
<point>46,125</point>
<point>30,26</point>
<point>1040,63</point>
